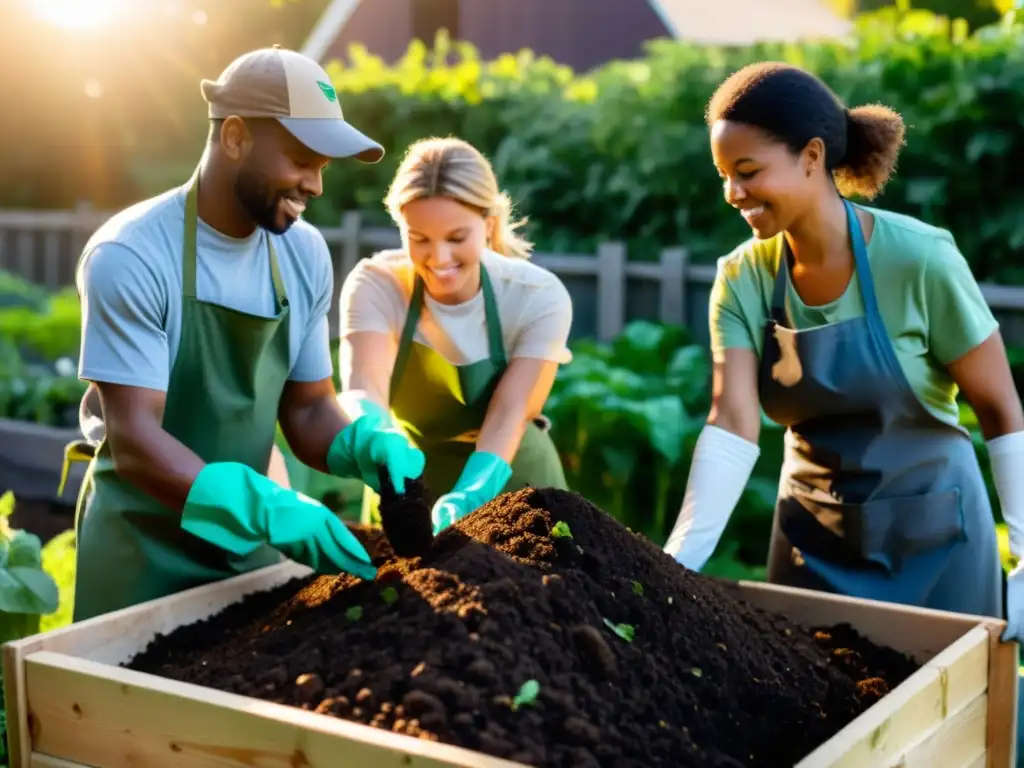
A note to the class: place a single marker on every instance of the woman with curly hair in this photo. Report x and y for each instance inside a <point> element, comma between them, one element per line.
<point>854,327</point>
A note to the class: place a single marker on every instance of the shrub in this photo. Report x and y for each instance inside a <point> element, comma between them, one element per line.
<point>622,152</point>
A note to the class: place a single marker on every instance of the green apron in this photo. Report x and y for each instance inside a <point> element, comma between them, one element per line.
<point>222,401</point>
<point>441,407</point>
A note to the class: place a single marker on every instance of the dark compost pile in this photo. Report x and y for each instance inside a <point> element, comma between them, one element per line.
<point>540,629</point>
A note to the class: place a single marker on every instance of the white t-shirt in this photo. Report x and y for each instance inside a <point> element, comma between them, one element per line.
<point>534,307</point>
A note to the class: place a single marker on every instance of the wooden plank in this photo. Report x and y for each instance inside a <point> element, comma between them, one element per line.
<point>117,718</point>
<point>1002,698</point>
<point>960,742</point>
<point>115,637</point>
<point>672,298</point>
<point>569,265</point>
<point>611,290</point>
<point>915,710</point>
<point>920,632</point>
<point>39,760</point>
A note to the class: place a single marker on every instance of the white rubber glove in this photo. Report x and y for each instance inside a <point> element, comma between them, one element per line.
<point>722,463</point>
<point>1006,454</point>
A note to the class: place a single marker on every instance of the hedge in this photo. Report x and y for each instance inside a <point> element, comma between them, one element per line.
<point>622,152</point>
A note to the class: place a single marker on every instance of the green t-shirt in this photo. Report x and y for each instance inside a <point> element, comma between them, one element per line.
<point>930,303</point>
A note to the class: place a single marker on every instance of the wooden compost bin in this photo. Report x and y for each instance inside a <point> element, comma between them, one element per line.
<point>69,705</point>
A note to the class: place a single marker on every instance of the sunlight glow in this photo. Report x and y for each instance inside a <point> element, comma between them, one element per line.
<point>77,14</point>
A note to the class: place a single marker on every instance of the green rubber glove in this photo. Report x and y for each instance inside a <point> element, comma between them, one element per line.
<point>372,441</point>
<point>483,477</point>
<point>237,509</point>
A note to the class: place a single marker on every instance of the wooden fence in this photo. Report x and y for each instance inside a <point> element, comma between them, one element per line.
<point>608,290</point>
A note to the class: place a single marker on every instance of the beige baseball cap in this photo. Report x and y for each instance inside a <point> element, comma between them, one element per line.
<point>294,89</point>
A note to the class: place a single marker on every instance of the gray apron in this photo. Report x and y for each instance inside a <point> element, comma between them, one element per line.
<point>878,499</point>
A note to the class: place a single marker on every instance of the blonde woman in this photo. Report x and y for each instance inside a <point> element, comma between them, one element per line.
<point>457,334</point>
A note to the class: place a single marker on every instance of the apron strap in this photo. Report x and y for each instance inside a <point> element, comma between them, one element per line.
<point>495,339</point>
<point>778,308</point>
<point>188,250</point>
<point>188,247</point>
<point>412,319</point>
<point>860,260</point>
<point>861,266</point>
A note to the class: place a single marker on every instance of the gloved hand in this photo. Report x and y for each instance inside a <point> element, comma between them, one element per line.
<point>1014,631</point>
<point>483,477</point>
<point>238,510</point>
<point>721,465</point>
<point>372,441</point>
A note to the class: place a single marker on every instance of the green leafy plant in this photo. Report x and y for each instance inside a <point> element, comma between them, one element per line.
<point>355,613</point>
<point>527,695</point>
<point>27,592</point>
<point>626,631</point>
<point>389,595</point>
<point>561,530</point>
<point>589,157</point>
<point>630,408</point>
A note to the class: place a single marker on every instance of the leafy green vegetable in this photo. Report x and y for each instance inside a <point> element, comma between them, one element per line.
<point>638,588</point>
<point>389,595</point>
<point>355,613</point>
<point>26,591</point>
<point>561,530</point>
<point>527,695</point>
<point>626,631</point>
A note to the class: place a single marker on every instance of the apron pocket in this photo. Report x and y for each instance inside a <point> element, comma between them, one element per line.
<point>887,531</point>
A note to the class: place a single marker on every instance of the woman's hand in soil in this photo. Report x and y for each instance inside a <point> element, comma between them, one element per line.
<point>483,477</point>
<point>239,510</point>
<point>371,442</point>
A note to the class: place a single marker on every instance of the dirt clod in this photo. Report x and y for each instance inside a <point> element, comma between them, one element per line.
<point>405,517</point>
<point>682,673</point>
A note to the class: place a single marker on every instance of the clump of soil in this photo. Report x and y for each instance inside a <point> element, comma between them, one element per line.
<point>405,517</point>
<point>540,630</point>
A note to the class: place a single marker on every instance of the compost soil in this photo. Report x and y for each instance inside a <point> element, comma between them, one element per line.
<point>636,661</point>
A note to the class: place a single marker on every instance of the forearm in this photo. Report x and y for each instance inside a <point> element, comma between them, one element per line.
<point>152,460</point>
<point>1002,418</point>
<point>502,430</point>
<point>311,428</point>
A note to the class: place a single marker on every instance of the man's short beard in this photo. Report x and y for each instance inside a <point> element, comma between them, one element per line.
<point>260,201</point>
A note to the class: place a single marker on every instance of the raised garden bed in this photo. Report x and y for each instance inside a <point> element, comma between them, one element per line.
<point>31,457</point>
<point>632,654</point>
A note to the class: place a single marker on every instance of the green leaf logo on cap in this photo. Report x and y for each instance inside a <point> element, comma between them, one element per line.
<point>328,90</point>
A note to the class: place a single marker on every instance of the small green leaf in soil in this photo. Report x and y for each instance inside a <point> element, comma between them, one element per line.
<point>389,595</point>
<point>625,631</point>
<point>560,530</point>
<point>355,613</point>
<point>527,694</point>
<point>638,588</point>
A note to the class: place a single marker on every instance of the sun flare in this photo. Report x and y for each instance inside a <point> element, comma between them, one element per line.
<point>77,14</point>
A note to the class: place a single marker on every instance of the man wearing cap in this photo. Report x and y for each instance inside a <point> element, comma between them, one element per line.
<point>204,324</point>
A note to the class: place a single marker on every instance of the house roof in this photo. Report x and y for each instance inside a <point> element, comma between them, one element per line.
<point>721,22</point>
<point>740,22</point>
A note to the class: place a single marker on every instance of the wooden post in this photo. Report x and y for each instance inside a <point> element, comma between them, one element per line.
<point>611,290</point>
<point>673,286</point>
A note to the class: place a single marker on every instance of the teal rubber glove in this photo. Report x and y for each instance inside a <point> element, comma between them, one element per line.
<point>483,477</point>
<point>1014,631</point>
<point>370,442</point>
<point>237,509</point>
